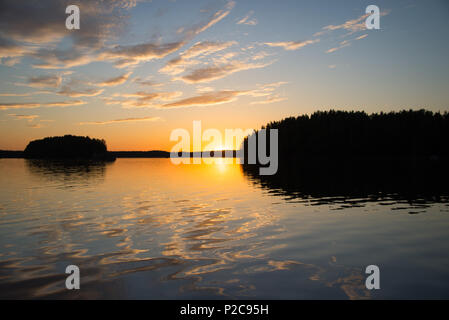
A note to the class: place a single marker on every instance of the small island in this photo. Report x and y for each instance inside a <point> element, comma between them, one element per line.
<point>68,147</point>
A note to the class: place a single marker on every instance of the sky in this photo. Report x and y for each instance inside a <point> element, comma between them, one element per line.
<point>137,70</point>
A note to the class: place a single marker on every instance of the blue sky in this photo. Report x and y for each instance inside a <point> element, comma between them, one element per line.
<point>138,69</point>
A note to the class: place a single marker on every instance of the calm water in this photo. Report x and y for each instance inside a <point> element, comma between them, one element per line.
<point>144,228</point>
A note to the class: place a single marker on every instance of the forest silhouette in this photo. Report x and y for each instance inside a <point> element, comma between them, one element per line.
<point>68,147</point>
<point>355,133</point>
<point>355,154</point>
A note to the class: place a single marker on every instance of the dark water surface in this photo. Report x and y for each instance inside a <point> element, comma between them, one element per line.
<point>144,228</point>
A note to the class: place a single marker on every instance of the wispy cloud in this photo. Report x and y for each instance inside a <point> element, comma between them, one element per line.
<point>341,45</point>
<point>115,81</point>
<point>144,119</point>
<point>207,99</point>
<point>33,120</point>
<point>133,54</point>
<point>345,43</point>
<point>45,81</point>
<point>206,48</point>
<point>179,64</point>
<point>142,99</point>
<point>90,92</point>
<point>292,45</point>
<point>35,125</point>
<point>210,73</point>
<point>246,19</point>
<point>363,36</point>
<point>147,82</point>
<point>29,117</point>
<point>129,55</point>
<point>63,59</point>
<point>212,20</point>
<point>274,84</point>
<point>33,105</point>
<point>15,94</point>
<point>269,100</point>
<point>353,25</point>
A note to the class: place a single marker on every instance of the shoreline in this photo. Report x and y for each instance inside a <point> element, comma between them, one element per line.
<point>9,154</point>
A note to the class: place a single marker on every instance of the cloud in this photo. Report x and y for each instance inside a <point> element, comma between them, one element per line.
<point>207,99</point>
<point>91,92</point>
<point>260,55</point>
<point>353,25</point>
<point>33,105</point>
<point>14,94</point>
<point>129,55</point>
<point>203,89</point>
<point>115,81</point>
<point>292,45</point>
<point>274,84</point>
<point>342,44</point>
<point>29,117</point>
<point>210,73</point>
<point>345,43</point>
<point>63,59</point>
<point>35,125</point>
<point>142,99</point>
<point>133,54</point>
<point>362,37</point>
<point>10,61</point>
<point>213,19</point>
<point>246,19</point>
<point>271,99</point>
<point>42,22</point>
<point>63,103</point>
<point>179,64</point>
<point>36,29</point>
<point>226,58</point>
<point>145,82</point>
<point>10,49</point>
<point>19,105</point>
<point>206,48</point>
<point>46,81</point>
<point>151,119</point>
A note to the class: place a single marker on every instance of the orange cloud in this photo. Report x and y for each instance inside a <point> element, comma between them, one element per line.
<point>207,74</point>
<point>67,91</point>
<point>115,81</point>
<point>207,99</point>
<point>292,45</point>
<point>121,121</point>
<point>32,105</point>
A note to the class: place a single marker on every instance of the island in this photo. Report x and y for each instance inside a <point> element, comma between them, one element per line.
<point>68,147</point>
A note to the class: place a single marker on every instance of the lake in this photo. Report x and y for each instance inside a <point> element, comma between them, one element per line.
<point>147,229</point>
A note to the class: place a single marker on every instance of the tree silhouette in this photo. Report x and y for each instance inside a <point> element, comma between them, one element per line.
<point>354,133</point>
<point>352,154</point>
<point>67,147</point>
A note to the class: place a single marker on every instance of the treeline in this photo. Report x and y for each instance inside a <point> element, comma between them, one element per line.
<point>67,147</point>
<point>352,154</point>
<point>356,133</point>
<point>11,154</point>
